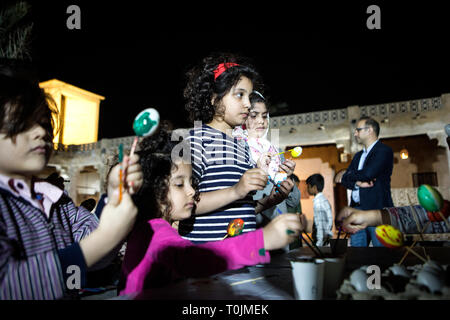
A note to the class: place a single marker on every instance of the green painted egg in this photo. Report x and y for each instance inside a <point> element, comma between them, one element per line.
<point>146,122</point>
<point>429,198</point>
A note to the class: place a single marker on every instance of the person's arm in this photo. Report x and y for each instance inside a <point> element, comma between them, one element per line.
<point>251,180</point>
<point>406,219</point>
<point>231,253</point>
<point>277,195</point>
<point>345,179</point>
<point>293,198</point>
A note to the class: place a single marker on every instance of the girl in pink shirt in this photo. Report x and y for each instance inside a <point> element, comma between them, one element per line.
<point>156,254</point>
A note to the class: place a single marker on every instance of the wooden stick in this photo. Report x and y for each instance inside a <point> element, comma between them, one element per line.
<point>416,254</point>
<point>413,244</point>
<point>445,220</point>
<point>133,147</point>
<point>310,246</point>
<point>245,281</point>
<point>321,254</point>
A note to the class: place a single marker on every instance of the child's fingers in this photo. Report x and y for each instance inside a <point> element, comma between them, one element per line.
<point>134,159</point>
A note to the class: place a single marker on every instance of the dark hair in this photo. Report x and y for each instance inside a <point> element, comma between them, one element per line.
<point>201,86</point>
<point>157,165</point>
<point>316,180</point>
<point>294,178</point>
<point>371,123</point>
<point>23,104</point>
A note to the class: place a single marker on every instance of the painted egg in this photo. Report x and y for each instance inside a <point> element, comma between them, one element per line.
<point>400,270</point>
<point>429,198</point>
<point>358,279</point>
<point>432,280</point>
<point>296,152</point>
<point>445,210</point>
<point>235,227</point>
<point>389,236</point>
<point>146,122</point>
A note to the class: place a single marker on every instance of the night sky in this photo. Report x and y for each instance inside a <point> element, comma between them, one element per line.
<point>312,57</point>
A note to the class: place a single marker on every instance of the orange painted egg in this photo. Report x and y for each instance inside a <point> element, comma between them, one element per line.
<point>235,227</point>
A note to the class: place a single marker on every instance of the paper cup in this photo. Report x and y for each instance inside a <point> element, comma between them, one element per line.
<point>333,276</point>
<point>308,277</point>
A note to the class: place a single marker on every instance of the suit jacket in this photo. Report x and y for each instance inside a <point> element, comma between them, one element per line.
<point>378,165</point>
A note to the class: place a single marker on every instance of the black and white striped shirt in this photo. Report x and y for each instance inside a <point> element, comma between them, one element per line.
<point>218,162</point>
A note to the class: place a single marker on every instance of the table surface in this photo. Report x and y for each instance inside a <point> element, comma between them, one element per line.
<point>273,281</point>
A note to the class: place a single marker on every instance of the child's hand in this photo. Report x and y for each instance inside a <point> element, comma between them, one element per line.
<point>132,172</point>
<point>352,220</point>
<point>288,166</point>
<point>253,179</point>
<point>282,230</point>
<point>363,184</point>
<point>117,219</point>
<point>116,222</point>
<point>282,191</point>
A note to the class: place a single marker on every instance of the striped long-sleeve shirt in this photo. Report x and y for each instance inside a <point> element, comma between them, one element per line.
<point>39,234</point>
<point>218,161</point>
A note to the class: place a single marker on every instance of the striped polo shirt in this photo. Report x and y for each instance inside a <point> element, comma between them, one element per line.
<point>218,162</point>
<point>39,234</point>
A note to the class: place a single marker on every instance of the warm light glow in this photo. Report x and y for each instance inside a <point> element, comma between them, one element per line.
<point>404,154</point>
<point>78,112</point>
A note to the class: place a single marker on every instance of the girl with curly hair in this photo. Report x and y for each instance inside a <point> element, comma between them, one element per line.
<point>217,97</point>
<point>156,253</point>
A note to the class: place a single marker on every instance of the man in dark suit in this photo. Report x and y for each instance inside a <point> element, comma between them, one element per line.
<point>369,177</point>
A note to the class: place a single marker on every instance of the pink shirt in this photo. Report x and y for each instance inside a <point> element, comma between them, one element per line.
<point>168,256</point>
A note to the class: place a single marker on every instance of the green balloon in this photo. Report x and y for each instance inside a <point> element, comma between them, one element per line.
<point>429,198</point>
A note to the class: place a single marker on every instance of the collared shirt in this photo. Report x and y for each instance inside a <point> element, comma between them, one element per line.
<point>44,194</point>
<point>323,220</point>
<point>39,234</point>
<point>355,192</point>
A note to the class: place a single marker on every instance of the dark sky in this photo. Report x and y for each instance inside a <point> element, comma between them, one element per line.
<point>313,57</point>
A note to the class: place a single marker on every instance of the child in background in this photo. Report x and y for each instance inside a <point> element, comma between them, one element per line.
<point>156,254</point>
<point>43,235</point>
<point>323,220</point>
<point>254,131</point>
<point>217,96</point>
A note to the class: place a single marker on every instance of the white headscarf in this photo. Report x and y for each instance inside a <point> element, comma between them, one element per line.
<point>259,147</point>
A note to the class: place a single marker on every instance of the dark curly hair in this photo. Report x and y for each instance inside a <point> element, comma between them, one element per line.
<point>23,104</point>
<point>155,157</point>
<point>201,86</point>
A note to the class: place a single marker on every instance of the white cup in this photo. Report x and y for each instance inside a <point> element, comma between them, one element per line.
<point>308,278</point>
<point>333,276</point>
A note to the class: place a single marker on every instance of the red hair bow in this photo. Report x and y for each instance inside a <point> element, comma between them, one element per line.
<point>222,67</point>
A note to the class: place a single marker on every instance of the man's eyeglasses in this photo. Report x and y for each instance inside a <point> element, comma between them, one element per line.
<point>359,129</point>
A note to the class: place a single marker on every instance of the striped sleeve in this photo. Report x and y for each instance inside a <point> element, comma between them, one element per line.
<point>37,277</point>
<point>82,221</point>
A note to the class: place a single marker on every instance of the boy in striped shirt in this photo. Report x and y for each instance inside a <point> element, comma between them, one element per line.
<point>46,242</point>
